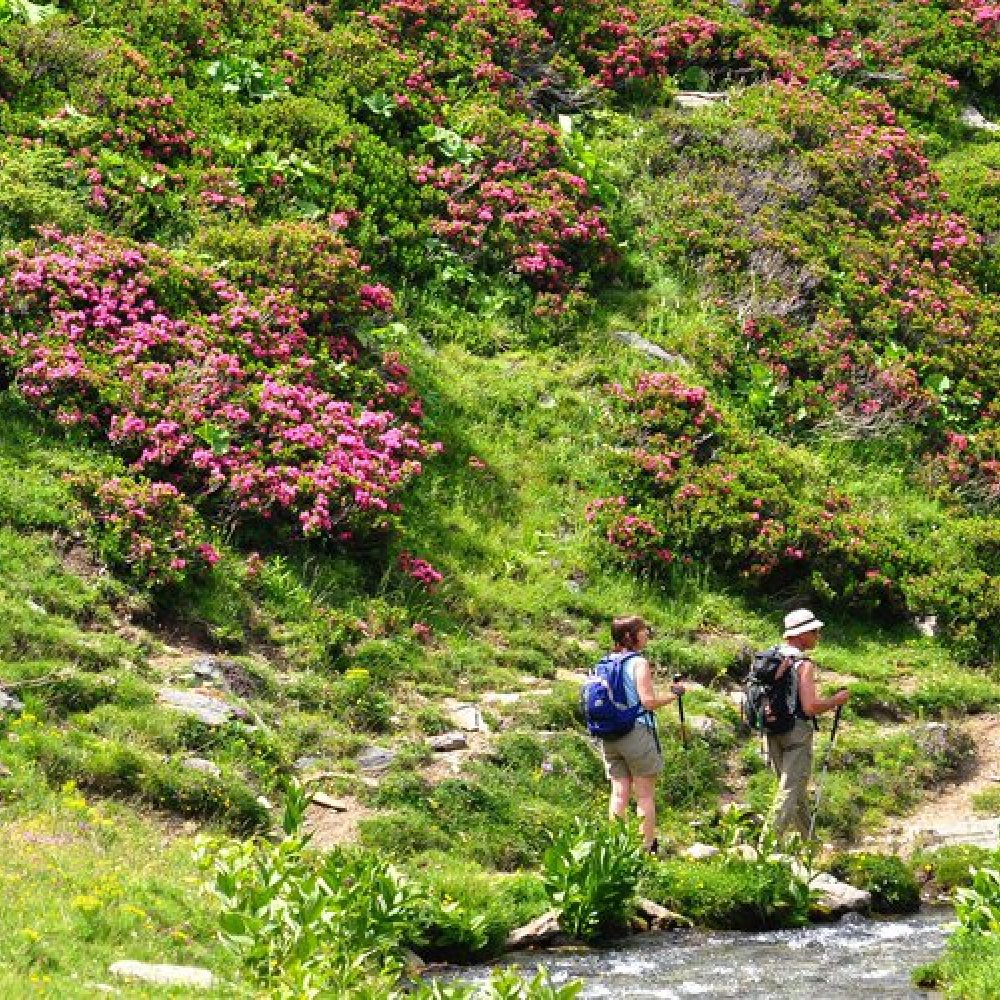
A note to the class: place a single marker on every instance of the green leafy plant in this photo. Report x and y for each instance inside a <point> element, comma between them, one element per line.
<point>892,884</point>
<point>591,872</point>
<point>978,907</point>
<point>246,78</point>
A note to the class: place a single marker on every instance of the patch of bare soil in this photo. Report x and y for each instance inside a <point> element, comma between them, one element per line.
<point>330,827</point>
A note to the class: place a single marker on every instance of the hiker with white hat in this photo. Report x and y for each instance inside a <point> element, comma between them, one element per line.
<point>791,752</point>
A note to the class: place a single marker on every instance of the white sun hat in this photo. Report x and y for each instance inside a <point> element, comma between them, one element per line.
<point>800,621</point>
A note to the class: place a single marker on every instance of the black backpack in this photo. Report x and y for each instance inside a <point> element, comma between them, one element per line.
<point>770,696</point>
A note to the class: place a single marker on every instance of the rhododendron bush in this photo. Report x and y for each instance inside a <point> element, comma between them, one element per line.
<point>700,489</point>
<point>216,390</point>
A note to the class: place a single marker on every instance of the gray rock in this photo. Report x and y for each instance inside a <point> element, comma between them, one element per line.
<point>207,668</point>
<point>541,931</point>
<point>375,759</point>
<point>8,703</point>
<point>164,975</point>
<point>208,708</point>
<point>328,802</point>
<point>647,347</point>
<point>975,832</point>
<point>836,898</point>
<point>926,625</point>
<point>36,607</point>
<point>659,918</point>
<point>700,852</point>
<point>974,118</point>
<point>307,763</point>
<point>446,742</point>
<point>693,100</point>
<point>5,771</point>
<point>469,719</point>
<point>203,765</point>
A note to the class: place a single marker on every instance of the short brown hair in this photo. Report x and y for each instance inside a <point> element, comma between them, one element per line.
<point>625,629</point>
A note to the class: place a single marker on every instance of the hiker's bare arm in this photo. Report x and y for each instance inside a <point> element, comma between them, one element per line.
<point>644,685</point>
<point>811,703</point>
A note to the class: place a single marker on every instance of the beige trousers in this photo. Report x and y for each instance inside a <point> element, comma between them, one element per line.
<point>791,756</point>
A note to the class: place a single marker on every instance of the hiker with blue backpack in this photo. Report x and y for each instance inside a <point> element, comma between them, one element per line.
<point>781,702</point>
<point>619,702</point>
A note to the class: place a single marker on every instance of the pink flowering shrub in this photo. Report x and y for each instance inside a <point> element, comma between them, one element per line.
<point>146,529</point>
<point>699,489</point>
<point>222,391</point>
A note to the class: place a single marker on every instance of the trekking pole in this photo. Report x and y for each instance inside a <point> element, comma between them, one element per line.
<point>680,709</point>
<point>826,767</point>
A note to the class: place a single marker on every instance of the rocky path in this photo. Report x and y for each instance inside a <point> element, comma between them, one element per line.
<point>948,817</point>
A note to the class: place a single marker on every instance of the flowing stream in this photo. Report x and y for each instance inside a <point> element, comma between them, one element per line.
<point>855,958</point>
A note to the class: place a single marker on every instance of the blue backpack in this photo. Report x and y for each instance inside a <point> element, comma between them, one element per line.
<point>603,700</point>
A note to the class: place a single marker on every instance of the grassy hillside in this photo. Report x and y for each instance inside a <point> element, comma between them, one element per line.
<point>315,361</point>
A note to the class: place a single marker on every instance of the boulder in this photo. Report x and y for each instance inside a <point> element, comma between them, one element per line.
<point>835,898</point>
<point>207,668</point>
<point>164,975</point>
<point>447,742</point>
<point>975,832</point>
<point>541,931</point>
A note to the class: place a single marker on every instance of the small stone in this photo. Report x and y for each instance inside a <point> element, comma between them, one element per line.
<point>264,802</point>
<point>208,708</point>
<point>974,118</point>
<point>5,771</point>
<point>36,607</point>
<point>327,802</point>
<point>694,100</point>
<point>164,975</point>
<point>307,763</point>
<point>207,668</point>
<point>202,765</point>
<point>468,718</point>
<point>926,625</point>
<point>539,932</point>
<point>744,852</point>
<point>8,703</point>
<point>375,759</point>
<point>446,742</point>
<point>700,852</point>
<point>659,918</point>
<point>647,347</point>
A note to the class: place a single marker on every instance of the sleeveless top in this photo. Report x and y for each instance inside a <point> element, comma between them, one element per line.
<point>647,718</point>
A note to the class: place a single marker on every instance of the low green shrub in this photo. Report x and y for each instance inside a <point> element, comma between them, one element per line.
<point>730,893</point>
<point>987,803</point>
<point>892,884</point>
<point>951,867</point>
<point>591,873</point>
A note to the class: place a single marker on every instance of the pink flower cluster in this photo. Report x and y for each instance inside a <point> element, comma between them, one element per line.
<point>420,570</point>
<point>218,389</point>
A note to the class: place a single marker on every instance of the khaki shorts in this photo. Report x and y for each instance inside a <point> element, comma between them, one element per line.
<point>636,755</point>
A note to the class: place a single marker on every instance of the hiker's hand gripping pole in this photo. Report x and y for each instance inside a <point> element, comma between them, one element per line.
<point>680,709</point>
<point>826,767</point>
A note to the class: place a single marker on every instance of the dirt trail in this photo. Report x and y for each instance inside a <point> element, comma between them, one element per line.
<point>948,816</point>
